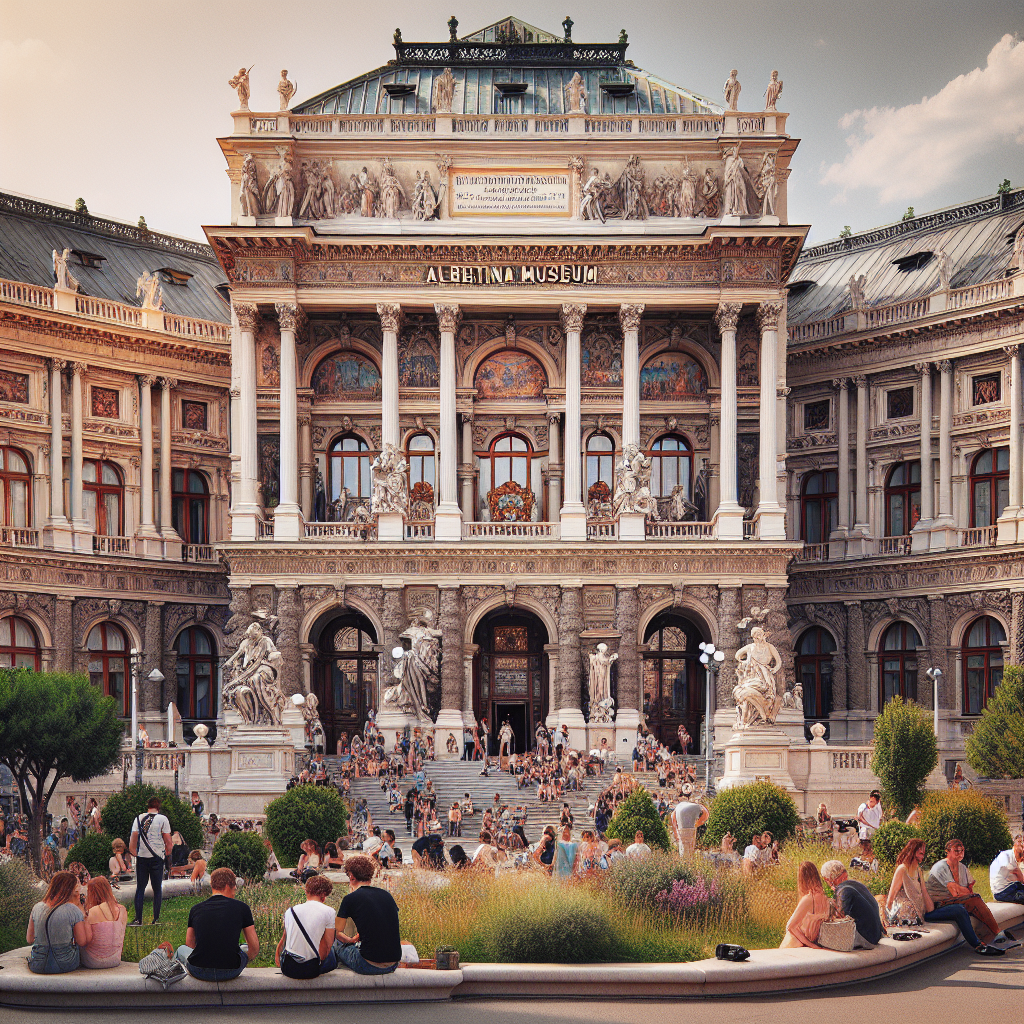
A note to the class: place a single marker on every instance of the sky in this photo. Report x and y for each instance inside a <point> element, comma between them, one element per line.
<point>897,102</point>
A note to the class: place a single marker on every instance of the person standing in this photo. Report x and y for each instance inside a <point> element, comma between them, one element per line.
<point>368,938</point>
<point>566,852</point>
<point>686,818</point>
<point>197,805</point>
<point>869,817</point>
<point>150,845</point>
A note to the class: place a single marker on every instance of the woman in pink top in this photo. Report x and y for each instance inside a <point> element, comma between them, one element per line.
<point>108,920</point>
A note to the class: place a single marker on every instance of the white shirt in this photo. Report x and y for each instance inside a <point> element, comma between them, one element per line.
<point>158,828</point>
<point>373,844</point>
<point>316,919</point>
<point>1001,872</point>
<point>753,854</point>
<point>873,816</point>
<point>638,850</point>
<point>386,852</point>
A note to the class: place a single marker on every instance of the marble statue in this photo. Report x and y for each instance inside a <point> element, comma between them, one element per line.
<point>420,664</point>
<point>286,90</point>
<point>759,684</point>
<point>249,189</point>
<point>591,205</point>
<point>444,92</point>
<point>603,713</point>
<point>710,196</point>
<point>686,202</point>
<point>732,90</point>
<point>633,484</point>
<point>601,674</point>
<point>389,472</point>
<point>773,92</point>
<point>798,697</point>
<point>253,686</point>
<point>424,198</point>
<point>66,281</point>
<point>369,190</point>
<point>506,739</point>
<point>681,509</point>
<point>148,288</point>
<point>318,197</point>
<point>767,185</point>
<point>735,181</point>
<point>576,95</point>
<point>279,191</point>
<point>391,194</point>
<point>856,285</point>
<point>944,269</point>
<point>314,727</point>
<point>632,188</point>
<point>241,83</point>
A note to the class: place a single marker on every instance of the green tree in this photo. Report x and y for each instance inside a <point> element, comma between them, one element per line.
<point>94,850</point>
<point>54,726</point>
<point>121,809</point>
<point>905,753</point>
<point>973,818</point>
<point>305,812</point>
<point>638,813</point>
<point>995,749</point>
<point>749,810</point>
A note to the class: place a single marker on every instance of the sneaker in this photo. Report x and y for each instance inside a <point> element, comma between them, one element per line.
<point>134,924</point>
<point>984,950</point>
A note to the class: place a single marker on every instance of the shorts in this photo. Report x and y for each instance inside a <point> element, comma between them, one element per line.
<point>687,841</point>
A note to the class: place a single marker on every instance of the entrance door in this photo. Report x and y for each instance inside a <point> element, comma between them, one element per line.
<point>516,716</point>
<point>345,676</point>
<point>674,690</point>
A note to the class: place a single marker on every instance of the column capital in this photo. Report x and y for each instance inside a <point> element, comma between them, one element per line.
<point>390,314</point>
<point>782,392</point>
<point>448,316</point>
<point>840,383</point>
<point>305,419</point>
<point>860,380</point>
<point>168,383</point>
<point>554,417</point>
<point>1012,350</point>
<point>768,314</point>
<point>630,315</point>
<point>147,380</point>
<point>78,369</point>
<point>57,364</point>
<point>572,315</point>
<point>727,316</point>
<point>945,365</point>
<point>924,369</point>
<point>248,316</point>
<point>290,316</point>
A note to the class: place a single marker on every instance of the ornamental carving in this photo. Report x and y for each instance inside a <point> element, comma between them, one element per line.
<point>630,316</point>
<point>511,503</point>
<point>727,316</point>
<point>390,481</point>
<point>572,315</point>
<point>289,316</point>
<point>768,315</point>
<point>448,316</point>
<point>248,316</point>
<point>390,316</point>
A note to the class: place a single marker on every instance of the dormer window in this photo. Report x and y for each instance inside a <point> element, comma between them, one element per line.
<point>917,260</point>
<point>798,288</point>
<point>89,259</point>
<point>224,291</point>
<point>172,275</point>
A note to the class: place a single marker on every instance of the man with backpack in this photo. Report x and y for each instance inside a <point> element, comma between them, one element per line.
<point>150,845</point>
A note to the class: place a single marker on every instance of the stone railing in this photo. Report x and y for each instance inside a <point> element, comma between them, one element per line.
<point>110,545</point>
<point>750,529</point>
<point>341,531</point>
<point>19,537</point>
<point>509,531</point>
<point>979,294</point>
<point>189,327</point>
<point>419,530</point>
<point>898,312</point>
<point>894,545</point>
<point>680,531</point>
<point>818,329</point>
<point>978,537</point>
<point>198,553</point>
<point>103,309</point>
<point>813,553</point>
<point>264,529</point>
<point>851,759</point>
<point>25,294</point>
<point>602,529</point>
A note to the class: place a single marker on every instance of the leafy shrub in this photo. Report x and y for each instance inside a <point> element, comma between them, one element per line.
<point>890,838</point>
<point>752,809</point>
<point>980,823</point>
<point>905,753</point>
<point>638,813</point>
<point>94,850</point>
<point>638,881</point>
<point>995,749</point>
<point>305,812</point>
<point>243,852</point>
<point>121,810</point>
<point>561,926</point>
<point>692,899</point>
<point>18,894</point>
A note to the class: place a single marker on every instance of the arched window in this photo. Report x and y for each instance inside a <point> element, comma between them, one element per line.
<point>109,663</point>
<point>902,499</point>
<point>898,658</point>
<point>422,468</point>
<point>814,671</point>
<point>671,466</point>
<point>190,506</point>
<point>345,674</point>
<point>990,485</point>
<point>600,469</point>
<point>674,681</point>
<point>349,466</point>
<point>197,696</point>
<point>15,488</point>
<point>103,497</point>
<point>506,478</point>
<point>819,506</point>
<point>19,646</point>
<point>982,663</point>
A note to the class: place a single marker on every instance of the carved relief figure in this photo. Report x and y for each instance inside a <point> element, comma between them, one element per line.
<point>767,186</point>
<point>392,197</point>
<point>105,403</point>
<point>241,83</point>
<point>633,484</point>
<point>346,375</point>
<point>591,202</point>
<point>13,387</point>
<point>735,180</point>
<point>601,361</point>
<point>773,92</point>
<point>711,200</point>
<point>759,684</point>
<point>318,198</point>
<point>249,189</point>
<point>444,92</point>
<point>368,189</point>
<point>390,481</point>
<point>601,675</point>
<point>279,192</point>
<point>576,95</point>
<point>417,365</point>
<point>66,281</point>
<point>603,713</point>
<point>732,89</point>
<point>253,672</point>
<point>686,204</point>
<point>424,199</point>
<point>510,374</point>
<point>286,90</point>
<point>149,289</point>
<point>631,188</point>
<point>669,376</point>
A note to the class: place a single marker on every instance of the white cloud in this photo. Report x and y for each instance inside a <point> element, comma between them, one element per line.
<point>907,152</point>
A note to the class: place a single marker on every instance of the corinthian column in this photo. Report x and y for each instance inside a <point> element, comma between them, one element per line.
<point>943,530</point>
<point>729,516</point>
<point>449,717</point>
<point>923,528</point>
<point>148,541</point>
<point>838,536</point>
<point>390,321</point>
<point>631,524</point>
<point>573,516</point>
<point>448,516</point>
<point>244,510</point>
<point>771,517</point>
<point>287,516</point>
<point>57,532</point>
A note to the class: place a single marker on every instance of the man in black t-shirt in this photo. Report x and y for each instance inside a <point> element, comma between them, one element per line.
<point>367,940</point>
<point>211,951</point>
<point>428,852</point>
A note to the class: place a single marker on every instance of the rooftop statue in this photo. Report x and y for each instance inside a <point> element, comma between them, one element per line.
<point>444,92</point>
<point>576,95</point>
<point>241,83</point>
<point>286,90</point>
<point>732,90</point>
<point>856,285</point>
<point>148,288</point>
<point>253,673</point>
<point>66,281</point>
<point>773,92</point>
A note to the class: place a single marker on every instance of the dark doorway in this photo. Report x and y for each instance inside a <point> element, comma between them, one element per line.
<point>515,714</point>
<point>674,680</point>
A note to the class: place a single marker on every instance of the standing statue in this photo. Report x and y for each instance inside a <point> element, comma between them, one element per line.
<point>241,83</point>
<point>633,484</point>
<point>444,92</point>
<point>734,177</point>
<point>767,185</point>
<point>631,187</point>
<point>945,269</point>
<point>686,204</point>
<point>314,727</point>
<point>759,689</point>
<point>148,288</point>
<point>253,671</point>
<point>591,206</point>
<point>249,189</point>
<point>279,191</point>
<point>1017,261</point>
<point>286,90</point>
<point>732,90</point>
<point>576,95</point>
<point>66,281</point>
<point>424,198</point>
<point>390,481</point>
<point>773,92</point>
<point>601,674</point>
<point>711,199</point>
<point>506,739</point>
<point>391,194</point>
<point>368,192</point>
<point>856,285</point>
<point>420,664</point>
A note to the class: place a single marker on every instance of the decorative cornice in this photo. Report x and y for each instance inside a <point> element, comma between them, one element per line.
<point>631,315</point>
<point>572,315</point>
<point>768,314</point>
<point>727,316</point>
<point>248,316</point>
<point>448,316</point>
<point>390,314</point>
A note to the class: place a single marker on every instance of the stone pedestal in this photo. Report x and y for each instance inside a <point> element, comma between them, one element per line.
<point>449,720</point>
<point>58,535</point>
<point>149,543</point>
<point>573,718</point>
<point>262,762</point>
<point>391,526</point>
<point>288,524</point>
<point>632,526</point>
<point>755,755</point>
<point>292,720</point>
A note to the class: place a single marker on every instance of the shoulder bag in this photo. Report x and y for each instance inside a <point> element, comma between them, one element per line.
<point>292,966</point>
<point>144,824</point>
<point>838,935</point>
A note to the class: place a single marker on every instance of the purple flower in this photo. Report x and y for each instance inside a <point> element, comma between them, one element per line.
<point>686,897</point>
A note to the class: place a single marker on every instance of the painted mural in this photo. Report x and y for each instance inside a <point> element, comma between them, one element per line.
<point>346,376</point>
<point>601,361</point>
<point>417,365</point>
<point>670,376</point>
<point>510,374</point>
<point>13,386</point>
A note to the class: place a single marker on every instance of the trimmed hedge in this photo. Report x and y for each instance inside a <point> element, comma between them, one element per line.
<point>978,822</point>
<point>638,813</point>
<point>890,839</point>
<point>94,850</point>
<point>905,753</point>
<point>243,852</point>
<point>752,809</point>
<point>305,812</point>
<point>121,810</point>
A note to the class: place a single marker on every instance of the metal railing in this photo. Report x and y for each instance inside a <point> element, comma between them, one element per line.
<point>19,537</point>
<point>509,531</point>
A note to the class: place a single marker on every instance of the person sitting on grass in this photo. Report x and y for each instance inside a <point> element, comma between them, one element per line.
<point>309,861</point>
<point>57,928</point>
<point>211,951</point>
<point>1005,874</point>
<point>197,864</point>
<point>812,908</point>
<point>107,920</point>
<point>332,859</point>
<point>368,938</point>
<point>307,948</point>
<point>854,899</point>
<point>119,864</point>
<point>949,882</point>
<point>638,848</point>
<point>753,855</point>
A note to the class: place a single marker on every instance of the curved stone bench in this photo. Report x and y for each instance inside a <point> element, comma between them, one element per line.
<point>767,971</point>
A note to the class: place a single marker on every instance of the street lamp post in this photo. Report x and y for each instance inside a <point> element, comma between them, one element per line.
<point>935,675</point>
<point>711,659</point>
<point>136,670</point>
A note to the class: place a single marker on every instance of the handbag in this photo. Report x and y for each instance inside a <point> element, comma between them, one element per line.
<point>292,966</point>
<point>838,935</point>
<point>50,965</point>
<point>727,951</point>
<point>159,967</point>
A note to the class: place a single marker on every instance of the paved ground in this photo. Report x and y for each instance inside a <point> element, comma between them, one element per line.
<point>959,987</point>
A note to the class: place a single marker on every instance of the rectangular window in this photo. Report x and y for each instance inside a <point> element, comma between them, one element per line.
<point>899,403</point>
<point>193,415</point>
<point>106,403</point>
<point>987,389</point>
<point>816,415</point>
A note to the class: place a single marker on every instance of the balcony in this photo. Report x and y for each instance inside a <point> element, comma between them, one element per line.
<point>510,531</point>
<point>680,531</point>
<point>895,545</point>
<point>977,537</point>
<point>813,553</point>
<point>198,553</point>
<point>602,529</point>
<point>331,531</point>
<point>19,537</point>
<point>109,545</point>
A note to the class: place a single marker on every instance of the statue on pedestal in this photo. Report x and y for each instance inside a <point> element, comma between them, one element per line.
<point>601,677</point>
<point>419,665</point>
<point>732,90</point>
<point>444,92</point>
<point>286,90</point>
<point>603,713</point>
<point>390,481</point>
<point>759,686</point>
<point>576,95</point>
<point>314,727</point>
<point>633,484</point>
<point>148,288</point>
<point>773,92</point>
<point>66,281</point>
<point>249,189</point>
<point>253,672</point>
<point>241,83</point>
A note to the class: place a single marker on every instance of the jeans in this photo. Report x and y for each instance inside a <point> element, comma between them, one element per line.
<point>213,973</point>
<point>1013,893</point>
<point>959,916</point>
<point>148,869</point>
<point>349,956</point>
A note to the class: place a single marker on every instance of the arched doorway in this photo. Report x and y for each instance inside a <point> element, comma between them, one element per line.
<point>510,678</point>
<point>674,685</point>
<point>344,671</point>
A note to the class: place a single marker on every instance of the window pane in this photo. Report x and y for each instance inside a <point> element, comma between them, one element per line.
<point>89,508</point>
<point>983,463</point>
<point>202,642</point>
<point>112,514</point>
<point>89,472</point>
<point>19,503</point>
<point>23,636</point>
<point>669,475</point>
<point>95,641</point>
<point>1003,460</point>
<point>812,523</point>
<point>364,477</point>
<point>982,504</point>
<point>110,474</point>
<point>977,634</point>
<point>178,480</point>
<point>519,472</point>
<point>897,524</point>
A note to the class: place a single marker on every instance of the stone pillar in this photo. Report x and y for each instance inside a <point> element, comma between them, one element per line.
<point>778,625</point>
<point>573,516</point>
<point>57,532</point>
<point>151,703</point>
<point>938,653</point>
<point>148,541</point>
<point>448,515</point>
<point>837,538</point>
<point>570,625</point>
<point>730,604</point>
<point>83,530</point>
<point>729,516</point>
<point>770,516</point>
<point>288,524</point>
<point>289,614</point>
<point>1007,522</point>
<point>629,668</point>
<point>172,542</point>
<point>63,635</point>
<point>390,320</point>
<point>469,652</point>
<point>245,511</point>
<point>943,531</point>
<point>1016,633</point>
<point>307,466</point>
<point>856,662</point>
<point>449,718</point>
<point>554,466</point>
<point>861,522</point>
<point>467,469</point>
<point>922,529</point>
<point>394,623</point>
<point>632,525</point>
